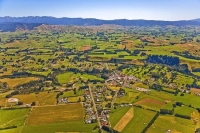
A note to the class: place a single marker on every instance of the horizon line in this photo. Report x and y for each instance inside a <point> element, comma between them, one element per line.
<point>99,18</point>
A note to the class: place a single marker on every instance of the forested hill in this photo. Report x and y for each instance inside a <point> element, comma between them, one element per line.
<point>91,21</point>
<point>9,26</point>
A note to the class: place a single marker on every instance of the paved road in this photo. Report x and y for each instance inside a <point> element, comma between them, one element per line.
<point>95,107</point>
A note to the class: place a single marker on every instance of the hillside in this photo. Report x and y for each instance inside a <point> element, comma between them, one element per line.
<point>13,26</point>
<point>92,21</point>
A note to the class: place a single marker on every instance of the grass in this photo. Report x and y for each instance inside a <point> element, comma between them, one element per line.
<point>187,99</point>
<point>14,117</point>
<point>151,103</point>
<point>129,98</point>
<point>184,110</point>
<point>196,73</point>
<point>165,123</point>
<point>12,82</point>
<point>71,93</point>
<point>125,120</point>
<point>140,120</point>
<point>75,99</point>
<point>117,114</point>
<point>114,88</point>
<point>68,76</point>
<point>14,130</point>
<point>56,114</point>
<point>78,126</point>
<point>41,73</point>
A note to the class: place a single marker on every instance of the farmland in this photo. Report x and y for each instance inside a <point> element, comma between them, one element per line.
<point>55,114</point>
<point>165,123</point>
<point>17,81</point>
<point>138,123</point>
<point>42,98</point>
<point>96,78</point>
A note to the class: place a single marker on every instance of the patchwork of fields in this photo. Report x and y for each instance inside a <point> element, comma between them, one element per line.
<point>94,78</point>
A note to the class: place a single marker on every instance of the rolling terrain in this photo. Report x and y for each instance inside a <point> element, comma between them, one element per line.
<point>89,75</point>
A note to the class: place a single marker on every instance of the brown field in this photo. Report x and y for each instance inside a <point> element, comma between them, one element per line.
<point>12,44</point>
<point>192,48</point>
<point>56,114</point>
<point>124,120</point>
<point>2,102</point>
<point>17,81</point>
<point>86,48</point>
<point>149,100</point>
<point>195,90</point>
<point>43,98</point>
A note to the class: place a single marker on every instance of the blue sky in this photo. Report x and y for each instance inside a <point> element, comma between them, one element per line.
<point>104,9</point>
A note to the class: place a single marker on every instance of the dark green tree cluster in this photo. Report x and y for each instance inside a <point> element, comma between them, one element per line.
<point>167,111</point>
<point>163,59</point>
<point>109,130</point>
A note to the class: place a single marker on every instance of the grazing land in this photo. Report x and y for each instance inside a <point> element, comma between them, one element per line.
<point>41,99</point>
<point>13,117</point>
<point>55,114</point>
<point>96,78</point>
<point>12,82</point>
<point>124,120</point>
<point>174,124</point>
<point>140,120</point>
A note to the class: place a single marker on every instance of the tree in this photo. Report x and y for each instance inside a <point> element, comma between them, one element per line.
<point>79,99</point>
<point>136,52</point>
<point>33,104</point>
<point>74,91</point>
<point>20,103</point>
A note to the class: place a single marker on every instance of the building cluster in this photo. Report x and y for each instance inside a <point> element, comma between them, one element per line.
<point>89,111</point>
<point>120,79</point>
<point>63,100</point>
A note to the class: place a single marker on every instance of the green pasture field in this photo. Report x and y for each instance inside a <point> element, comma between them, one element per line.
<point>78,126</point>
<point>139,121</point>
<point>68,76</point>
<point>129,98</point>
<point>13,130</point>
<point>117,114</point>
<point>75,99</point>
<point>175,124</point>
<point>71,93</point>
<point>13,117</point>
<point>187,99</point>
<point>196,73</point>
<point>184,110</point>
<point>41,73</point>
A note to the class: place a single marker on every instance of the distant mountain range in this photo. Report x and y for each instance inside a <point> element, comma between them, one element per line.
<point>11,23</point>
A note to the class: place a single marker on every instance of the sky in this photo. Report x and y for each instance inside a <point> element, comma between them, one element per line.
<point>104,9</point>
